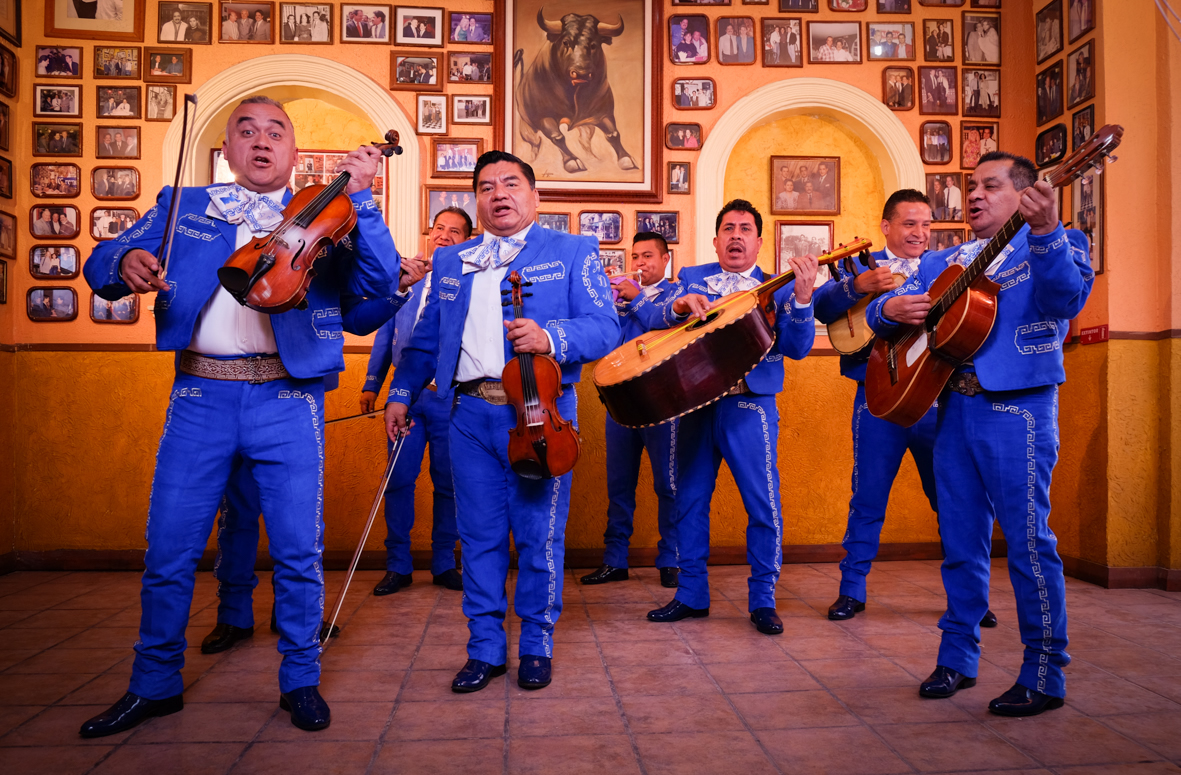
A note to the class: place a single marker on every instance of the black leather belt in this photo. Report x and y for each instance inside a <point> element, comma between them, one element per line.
<point>965,383</point>
<point>490,390</point>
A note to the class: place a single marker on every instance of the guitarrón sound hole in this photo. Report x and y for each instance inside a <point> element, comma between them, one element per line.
<point>709,318</point>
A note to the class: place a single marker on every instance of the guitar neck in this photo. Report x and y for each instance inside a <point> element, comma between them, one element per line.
<point>769,287</point>
<point>972,272</point>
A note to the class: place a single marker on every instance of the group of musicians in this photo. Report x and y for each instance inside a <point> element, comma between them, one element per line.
<point>244,425</point>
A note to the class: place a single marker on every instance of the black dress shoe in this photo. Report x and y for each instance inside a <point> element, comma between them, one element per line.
<point>989,619</point>
<point>391,582</point>
<point>1020,701</point>
<point>845,608</point>
<point>669,577</point>
<point>945,682</point>
<point>767,621</point>
<point>534,672</point>
<point>449,578</point>
<point>475,675</point>
<point>308,709</point>
<point>224,636</point>
<point>130,711</point>
<point>604,574</point>
<point>324,631</point>
<point>676,611</point>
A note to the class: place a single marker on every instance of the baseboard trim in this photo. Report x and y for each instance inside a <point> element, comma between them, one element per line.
<point>7,563</point>
<point>1143,577</point>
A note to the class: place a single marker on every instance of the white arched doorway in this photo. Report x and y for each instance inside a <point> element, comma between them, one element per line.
<point>888,139</point>
<point>290,76</point>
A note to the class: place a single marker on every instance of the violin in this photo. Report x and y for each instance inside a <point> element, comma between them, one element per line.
<point>543,445</point>
<point>272,273</point>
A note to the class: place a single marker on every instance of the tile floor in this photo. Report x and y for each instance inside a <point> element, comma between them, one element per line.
<point>629,696</point>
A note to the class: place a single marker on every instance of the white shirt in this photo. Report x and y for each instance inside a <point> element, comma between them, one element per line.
<point>225,327</point>
<point>954,199</point>
<point>903,266</point>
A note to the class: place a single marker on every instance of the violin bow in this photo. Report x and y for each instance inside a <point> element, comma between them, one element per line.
<point>165,251</point>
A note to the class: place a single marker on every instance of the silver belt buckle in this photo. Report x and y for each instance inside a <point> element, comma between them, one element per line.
<point>254,367</point>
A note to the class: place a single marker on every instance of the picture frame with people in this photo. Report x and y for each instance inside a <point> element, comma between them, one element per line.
<point>1082,126</point>
<point>1080,75</point>
<point>1049,93</point>
<point>736,40</point>
<point>695,94</point>
<point>605,225</point>
<point>938,91</point>
<point>935,142</point>
<point>1048,31</point>
<point>946,192</point>
<point>116,142</point>
<point>246,22</point>
<point>160,102</point>
<point>982,93</point>
<point>1050,146</point>
<point>365,23</point>
<point>8,235</point>
<point>834,43</point>
<point>5,178</point>
<point>419,26</point>
<point>688,39</point>
<point>471,109</point>
<point>469,67</point>
<point>1080,16</point>
<point>432,114</point>
<point>664,223</point>
<point>114,183</point>
<point>554,221</point>
<point>680,180</point>
<point>54,221</point>
<point>682,137</point>
<point>942,239</point>
<point>46,304</point>
<point>168,65</point>
<point>782,42</point>
<point>185,23</point>
<point>805,185</point>
<point>82,21</point>
<point>58,61</point>
<point>54,181</point>
<point>795,239</point>
<point>306,24</point>
<point>54,100</point>
<point>436,198</point>
<point>455,157</point>
<point>1087,207</point>
<point>122,311</point>
<point>117,61</point>
<point>117,101</point>
<point>938,40</point>
<point>469,28</point>
<point>898,88</point>
<point>56,139</point>
<point>976,139</point>
<point>416,71</point>
<point>889,42</point>
<point>110,223</point>
<point>54,262</point>
<point>982,39</point>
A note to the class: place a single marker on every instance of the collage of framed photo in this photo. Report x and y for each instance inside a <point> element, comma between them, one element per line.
<point>555,221</point>
<point>436,198</point>
<point>454,157</point>
<point>124,310</point>
<point>946,192</point>
<point>977,139</point>
<point>51,305</point>
<point>58,61</point>
<point>309,23</point>
<point>57,101</point>
<point>54,181</point>
<point>783,42</point>
<point>365,23</point>
<point>694,93</point>
<point>795,239</point>
<point>666,224</point>
<point>606,225</point>
<point>184,23</point>
<point>53,262</point>
<point>54,222</point>
<point>1050,146</point>
<point>805,185</point>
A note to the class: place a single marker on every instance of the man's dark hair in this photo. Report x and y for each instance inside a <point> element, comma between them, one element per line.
<point>495,157</point>
<point>457,210</point>
<point>644,236</point>
<point>900,196</point>
<point>742,206</point>
<point>1022,172</point>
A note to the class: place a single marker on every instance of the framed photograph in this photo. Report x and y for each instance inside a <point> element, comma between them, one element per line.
<point>1050,146</point>
<point>116,61</point>
<point>1082,126</point>
<point>555,221</point>
<point>807,6</point>
<point>57,139</point>
<point>114,182</point>
<point>1048,30</point>
<point>438,198</point>
<point>124,310</point>
<point>682,136</point>
<point>938,40</point>
<point>848,5</point>
<point>1049,93</point>
<point>161,103</point>
<point>7,235</point>
<point>432,114</point>
<point>471,109</point>
<point>679,178</point>
<point>805,185</point>
<point>794,239</point>
<point>185,23</point>
<point>53,262</point>
<point>614,261</point>
<point>937,91</point>
<point>168,65</point>
<point>942,239</point>
<point>10,21</point>
<point>5,178</point>
<point>106,20</point>
<point>977,138</point>
<point>8,70</point>
<point>893,6</point>
<point>736,40</point>
<point>1080,16</point>
<point>116,142</point>
<point>1087,208</point>
<point>54,181</point>
<point>985,4</point>
<point>1080,75</point>
<point>946,192</point>
<point>247,23</point>
<point>890,41</point>
<point>467,27</point>
<point>688,42</point>
<point>941,3</point>
<point>606,225</point>
<point>59,61</point>
<point>5,127</point>
<point>469,67</point>
<point>317,167</point>
<point>781,43</point>
<point>982,93</point>
<point>57,101</point>
<point>455,157</point>
<point>898,88</point>
<point>365,23</point>
<point>982,38</point>
<point>51,305</point>
<point>834,42</point>
<point>756,2</point>
<point>412,71</point>
<point>54,222</point>
<point>120,101</point>
<point>701,2</point>
<point>935,145</point>
<point>694,93</point>
<point>110,223</point>
<point>666,224</point>
<point>419,26</point>
<point>306,23</point>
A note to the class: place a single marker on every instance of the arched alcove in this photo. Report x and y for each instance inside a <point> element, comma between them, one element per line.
<point>291,76</point>
<point>866,116</point>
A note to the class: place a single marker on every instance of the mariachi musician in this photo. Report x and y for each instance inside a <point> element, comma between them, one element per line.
<point>248,386</point>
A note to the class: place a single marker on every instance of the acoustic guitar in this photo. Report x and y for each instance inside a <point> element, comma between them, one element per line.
<point>665,373</point>
<point>850,334</point>
<point>908,370</point>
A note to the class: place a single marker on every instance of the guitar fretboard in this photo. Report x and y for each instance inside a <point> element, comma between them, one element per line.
<point>999,242</point>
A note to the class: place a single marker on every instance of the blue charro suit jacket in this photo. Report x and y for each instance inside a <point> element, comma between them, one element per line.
<point>571,300</point>
<point>391,339</point>
<point>1044,283</point>
<point>795,330</point>
<point>310,341</point>
<point>637,315</point>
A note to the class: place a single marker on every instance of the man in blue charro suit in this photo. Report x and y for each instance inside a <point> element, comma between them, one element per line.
<point>249,390</point>
<point>637,305</point>
<point>879,445</point>
<point>461,343</point>
<point>996,438</point>
<point>741,428</point>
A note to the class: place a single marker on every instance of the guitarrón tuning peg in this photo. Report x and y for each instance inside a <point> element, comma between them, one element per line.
<point>505,293</point>
<point>527,283</point>
<point>506,304</point>
<point>527,295</point>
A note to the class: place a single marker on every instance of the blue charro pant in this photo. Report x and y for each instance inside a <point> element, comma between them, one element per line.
<point>743,430</point>
<point>994,455</point>
<point>491,500</point>
<point>237,548</point>
<point>624,446</point>
<point>878,448</point>
<point>276,430</point>
<point>432,416</point>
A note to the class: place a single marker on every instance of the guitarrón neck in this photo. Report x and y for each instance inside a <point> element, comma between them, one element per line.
<point>999,242</point>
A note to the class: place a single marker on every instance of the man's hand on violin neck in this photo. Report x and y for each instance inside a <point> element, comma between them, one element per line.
<point>527,337</point>
<point>139,269</point>
<point>361,164</point>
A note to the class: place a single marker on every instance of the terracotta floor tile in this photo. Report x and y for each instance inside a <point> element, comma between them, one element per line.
<point>390,656</point>
<point>59,619</point>
<point>39,638</point>
<point>440,658</point>
<point>260,686</point>
<point>765,649</point>
<point>703,752</point>
<point>941,747</point>
<point>792,710</point>
<point>568,681</point>
<point>58,726</point>
<point>771,676</point>
<point>103,638</point>
<point>897,705</point>
<point>827,647</point>
<point>623,631</point>
<point>440,757</point>
<point>674,680</point>
<point>1058,739</point>
<point>663,715</point>
<point>40,689</point>
<point>1132,662</point>
<point>590,754</point>
<point>856,673</point>
<point>442,720</point>
<point>617,593</point>
<point>56,759</point>
<point>1107,696</point>
<point>1146,768</point>
<point>345,758</point>
<point>105,689</point>
<point>923,645</point>
<point>622,612</point>
<point>832,750</point>
<point>172,758</point>
<point>254,659</point>
<point>361,685</point>
<point>559,717</point>
<point>57,660</point>
<point>12,716</point>
<point>1160,732</point>
<point>435,685</point>
<point>664,651</point>
<point>208,723</point>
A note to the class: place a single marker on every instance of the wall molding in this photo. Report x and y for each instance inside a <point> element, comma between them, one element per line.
<point>1144,577</point>
<point>1146,336</point>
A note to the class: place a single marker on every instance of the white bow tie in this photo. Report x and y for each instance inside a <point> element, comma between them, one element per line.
<point>493,253</point>
<point>237,205</point>
<point>725,283</point>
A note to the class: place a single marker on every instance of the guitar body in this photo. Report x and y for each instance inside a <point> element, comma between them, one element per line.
<point>907,371</point>
<point>850,334</point>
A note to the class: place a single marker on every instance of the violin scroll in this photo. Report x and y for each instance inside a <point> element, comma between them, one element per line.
<point>390,146</point>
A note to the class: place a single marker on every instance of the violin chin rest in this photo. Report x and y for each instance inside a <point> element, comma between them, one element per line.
<point>234,280</point>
